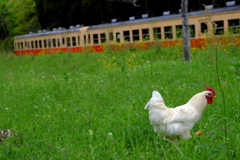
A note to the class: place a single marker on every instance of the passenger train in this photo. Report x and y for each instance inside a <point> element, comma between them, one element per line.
<point>166,29</point>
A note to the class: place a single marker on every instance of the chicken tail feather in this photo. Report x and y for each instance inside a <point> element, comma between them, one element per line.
<point>157,95</point>
<point>155,101</point>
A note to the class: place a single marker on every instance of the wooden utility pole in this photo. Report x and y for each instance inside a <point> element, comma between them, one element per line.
<point>185,29</point>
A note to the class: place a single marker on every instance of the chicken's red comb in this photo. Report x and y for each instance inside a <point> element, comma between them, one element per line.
<point>210,89</point>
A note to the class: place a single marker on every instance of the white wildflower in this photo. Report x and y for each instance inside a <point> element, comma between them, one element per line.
<point>90,132</point>
<point>6,108</point>
<point>109,134</point>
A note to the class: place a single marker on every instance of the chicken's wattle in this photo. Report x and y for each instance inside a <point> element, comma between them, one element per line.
<point>210,97</point>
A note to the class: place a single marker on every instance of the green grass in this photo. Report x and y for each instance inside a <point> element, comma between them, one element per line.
<point>53,103</point>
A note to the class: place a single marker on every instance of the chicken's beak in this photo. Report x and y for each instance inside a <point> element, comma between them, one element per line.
<point>214,96</point>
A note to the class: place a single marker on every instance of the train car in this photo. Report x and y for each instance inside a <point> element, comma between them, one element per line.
<point>146,31</point>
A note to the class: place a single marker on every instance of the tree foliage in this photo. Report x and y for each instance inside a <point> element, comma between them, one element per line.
<point>21,16</point>
<point>3,14</point>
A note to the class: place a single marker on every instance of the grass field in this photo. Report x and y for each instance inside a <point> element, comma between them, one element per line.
<point>91,106</point>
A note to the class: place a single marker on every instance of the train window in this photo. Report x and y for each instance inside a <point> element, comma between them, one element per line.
<point>54,42</point>
<point>179,32</point>
<point>135,35</point>
<point>78,40</point>
<point>145,34</point>
<point>40,43</point>
<point>204,27</point>
<point>28,45</point>
<point>73,41</point>
<point>111,36</point>
<point>18,45</point>
<point>36,44</point>
<point>32,45</point>
<point>126,35</point>
<point>168,32</point>
<point>89,38</point>
<point>84,38</point>
<point>95,38</point>
<point>21,45</point>
<point>219,27</point>
<point>103,37</point>
<point>63,40</point>
<point>157,33</point>
<point>234,26</point>
<point>49,43</point>
<point>192,30</point>
<point>68,42</point>
<point>118,37</point>
<point>25,44</point>
<point>58,42</point>
<point>45,43</point>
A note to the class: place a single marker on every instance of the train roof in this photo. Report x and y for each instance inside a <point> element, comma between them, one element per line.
<point>121,23</point>
<point>165,17</point>
<point>54,31</point>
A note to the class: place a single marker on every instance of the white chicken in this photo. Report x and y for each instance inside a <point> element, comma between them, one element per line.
<point>177,122</point>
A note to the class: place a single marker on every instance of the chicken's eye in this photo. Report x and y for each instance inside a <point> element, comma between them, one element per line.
<point>208,96</point>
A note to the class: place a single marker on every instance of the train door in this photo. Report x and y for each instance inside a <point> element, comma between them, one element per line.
<point>202,28</point>
<point>84,37</point>
<point>110,36</point>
